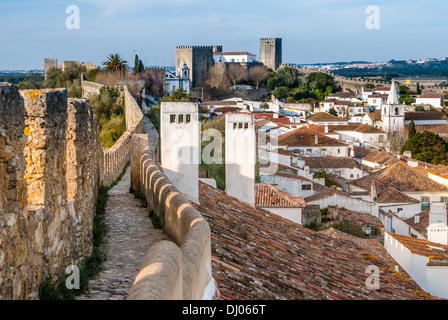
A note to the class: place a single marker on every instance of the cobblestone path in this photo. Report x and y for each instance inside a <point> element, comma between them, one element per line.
<point>130,236</point>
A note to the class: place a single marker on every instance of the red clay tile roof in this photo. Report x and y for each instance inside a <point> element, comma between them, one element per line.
<point>257,255</point>
<point>438,128</point>
<point>270,116</point>
<point>224,110</point>
<point>375,156</point>
<point>330,162</point>
<point>430,95</point>
<point>421,226</point>
<point>401,177</point>
<point>425,115</point>
<point>375,116</point>
<point>321,129</point>
<point>323,116</point>
<point>304,137</point>
<point>220,103</point>
<point>269,196</point>
<point>421,246</point>
<point>361,128</point>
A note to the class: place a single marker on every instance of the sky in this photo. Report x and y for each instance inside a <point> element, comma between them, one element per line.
<point>313,31</point>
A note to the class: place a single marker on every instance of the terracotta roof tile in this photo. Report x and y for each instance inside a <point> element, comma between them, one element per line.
<point>257,255</point>
<point>269,196</point>
<point>307,137</point>
<point>323,116</point>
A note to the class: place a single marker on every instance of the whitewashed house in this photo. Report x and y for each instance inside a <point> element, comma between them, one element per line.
<point>435,100</point>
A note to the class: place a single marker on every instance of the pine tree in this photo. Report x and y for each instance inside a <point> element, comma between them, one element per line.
<point>136,65</point>
<point>411,129</point>
<point>419,90</point>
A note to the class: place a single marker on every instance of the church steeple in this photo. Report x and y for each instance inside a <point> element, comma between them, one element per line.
<point>393,95</point>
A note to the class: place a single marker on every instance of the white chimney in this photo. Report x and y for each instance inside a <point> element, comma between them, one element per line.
<point>180,146</point>
<point>316,139</point>
<point>438,230</point>
<point>407,154</point>
<point>416,219</point>
<point>240,156</point>
<point>326,128</point>
<point>275,115</point>
<point>352,152</point>
<point>412,164</point>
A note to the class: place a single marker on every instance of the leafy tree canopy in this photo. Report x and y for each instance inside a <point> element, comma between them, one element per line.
<point>427,147</point>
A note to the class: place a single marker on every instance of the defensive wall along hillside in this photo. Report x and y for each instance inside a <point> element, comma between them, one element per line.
<point>51,168</point>
<point>171,270</point>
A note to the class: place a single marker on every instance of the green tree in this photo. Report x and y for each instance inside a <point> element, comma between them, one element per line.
<point>333,112</point>
<point>115,62</point>
<point>320,80</point>
<point>179,95</point>
<point>138,66</point>
<point>427,147</point>
<point>411,129</point>
<point>264,106</point>
<point>419,90</point>
<point>284,77</point>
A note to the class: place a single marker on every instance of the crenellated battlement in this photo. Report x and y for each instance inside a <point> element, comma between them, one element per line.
<point>195,47</point>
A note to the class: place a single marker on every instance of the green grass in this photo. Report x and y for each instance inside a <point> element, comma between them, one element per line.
<point>92,265</point>
<point>156,223</point>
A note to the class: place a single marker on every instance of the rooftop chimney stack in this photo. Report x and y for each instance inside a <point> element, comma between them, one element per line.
<point>240,156</point>
<point>180,146</point>
<point>438,230</point>
<point>316,139</point>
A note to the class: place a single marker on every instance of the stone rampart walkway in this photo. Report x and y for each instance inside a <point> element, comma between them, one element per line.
<point>130,236</point>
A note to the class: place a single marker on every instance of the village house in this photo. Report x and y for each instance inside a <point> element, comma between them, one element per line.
<point>400,188</point>
<point>306,142</point>
<point>434,100</point>
<point>426,260</point>
<point>279,202</point>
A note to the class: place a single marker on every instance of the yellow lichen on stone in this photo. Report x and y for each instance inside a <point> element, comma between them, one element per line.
<point>27,131</point>
<point>33,94</point>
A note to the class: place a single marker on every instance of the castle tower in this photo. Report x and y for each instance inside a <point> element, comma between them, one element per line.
<point>240,156</point>
<point>271,52</point>
<point>438,230</point>
<point>180,146</point>
<point>48,64</point>
<point>199,59</point>
<point>393,112</point>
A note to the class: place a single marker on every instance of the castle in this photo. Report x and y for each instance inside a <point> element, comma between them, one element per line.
<point>53,63</point>
<point>199,59</point>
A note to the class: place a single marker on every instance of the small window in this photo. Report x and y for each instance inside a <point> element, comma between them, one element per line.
<point>306,187</point>
<point>240,125</point>
<point>172,118</point>
<point>188,118</point>
<point>339,150</point>
<point>444,199</point>
<point>425,203</point>
<point>181,118</point>
<point>246,125</point>
<point>235,126</point>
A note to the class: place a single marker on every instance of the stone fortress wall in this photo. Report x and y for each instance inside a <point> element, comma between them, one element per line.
<point>51,168</point>
<point>51,165</point>
<point>179,270</point>
<point>356,84</point>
